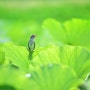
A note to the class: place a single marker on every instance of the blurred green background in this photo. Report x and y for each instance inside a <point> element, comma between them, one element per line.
<point>21,18</point>
<point>39,10</point>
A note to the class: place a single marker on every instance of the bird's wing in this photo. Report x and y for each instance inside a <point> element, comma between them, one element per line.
<point>28,45</point>
<point>34,45</point>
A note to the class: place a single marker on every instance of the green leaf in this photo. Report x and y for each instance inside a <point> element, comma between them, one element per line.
<point>53,77</point>
<point>86,84</point>
<point>73,32</point>
<point>78,32</point>
<point>2,55</point>
<point>12,80</point>
<point>75,57</point>
<point>18,56</point>
<point>56,29</point>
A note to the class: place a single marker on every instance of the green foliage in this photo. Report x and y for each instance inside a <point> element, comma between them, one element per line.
<point>17,55</point>
<point>53,77</point>
<point>77,58</point>
<point>73,32</point>
<point>12,80</point>
<point>52,67</point>
<point>2,55</point>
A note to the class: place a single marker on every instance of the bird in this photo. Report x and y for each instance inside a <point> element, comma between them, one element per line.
<point>31,43</point>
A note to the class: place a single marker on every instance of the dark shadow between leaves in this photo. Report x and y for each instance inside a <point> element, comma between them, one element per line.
<point>7,87</point>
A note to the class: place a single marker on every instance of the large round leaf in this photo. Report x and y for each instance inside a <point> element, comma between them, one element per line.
<point>53,77</point>
<point>75,57</point>
<point>73,32</point>
<point>17,55</point>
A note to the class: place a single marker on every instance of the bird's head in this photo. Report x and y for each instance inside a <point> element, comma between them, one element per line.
<point>32,36</point>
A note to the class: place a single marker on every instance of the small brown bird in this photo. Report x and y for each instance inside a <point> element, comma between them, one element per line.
<point>31,43</point>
